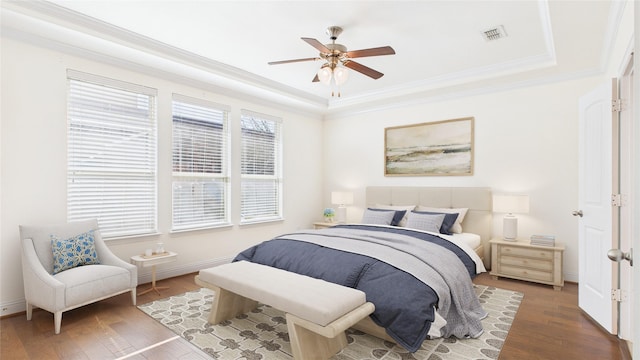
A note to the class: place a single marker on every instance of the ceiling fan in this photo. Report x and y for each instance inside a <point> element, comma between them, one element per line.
<point>334,54</point>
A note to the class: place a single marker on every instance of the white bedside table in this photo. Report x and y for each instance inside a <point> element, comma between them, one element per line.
<point>153,260</point>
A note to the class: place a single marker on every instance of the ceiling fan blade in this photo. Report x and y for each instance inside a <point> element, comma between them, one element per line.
<point>363,69</point>
<point>315,78</point>
<point>317,44</point>
<point>293,60</point>
<point>385,50</point>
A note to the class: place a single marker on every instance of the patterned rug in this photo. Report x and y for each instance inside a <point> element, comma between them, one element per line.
<point>262,334</point>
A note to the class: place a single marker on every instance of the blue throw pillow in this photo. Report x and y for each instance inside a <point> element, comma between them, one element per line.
<point>447,224</point>
<point>73,252</point>
<point>397,216</point>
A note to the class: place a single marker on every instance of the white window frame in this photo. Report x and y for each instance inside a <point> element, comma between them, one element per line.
<point>260,206</point>
<point>112,154</point>
<point>201,210</point>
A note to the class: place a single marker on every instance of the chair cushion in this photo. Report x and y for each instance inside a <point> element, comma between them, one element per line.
<point>88,283</point>
<point>41,236</point>
<point>72,252</point>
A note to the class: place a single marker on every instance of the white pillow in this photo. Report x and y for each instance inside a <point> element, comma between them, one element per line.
<point>407,208</point>
<point>425,222</point>
<point>457,226</point>
<point>378,217</point>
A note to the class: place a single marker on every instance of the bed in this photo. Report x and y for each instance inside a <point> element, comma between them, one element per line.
<point>478,200</point>
<point>419,281</point>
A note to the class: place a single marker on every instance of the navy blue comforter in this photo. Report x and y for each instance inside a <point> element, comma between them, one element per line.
<point>404,306</point>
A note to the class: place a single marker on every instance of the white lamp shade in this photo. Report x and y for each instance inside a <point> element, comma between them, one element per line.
<point>341,198</point>
<point>340,75</point>
<point>324,75</point>
<point>510,203</point>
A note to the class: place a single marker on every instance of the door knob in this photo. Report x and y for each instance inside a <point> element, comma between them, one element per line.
<point>617,255</point>
<point>577,213</point>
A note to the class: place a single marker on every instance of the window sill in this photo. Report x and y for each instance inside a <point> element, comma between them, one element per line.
<point>261,221</point>
<point>212,227</point>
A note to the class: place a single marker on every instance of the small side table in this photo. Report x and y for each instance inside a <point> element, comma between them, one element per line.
<point>153,260</point>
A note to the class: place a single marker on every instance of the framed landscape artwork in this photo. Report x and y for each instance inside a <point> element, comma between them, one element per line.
<point>437,148</point>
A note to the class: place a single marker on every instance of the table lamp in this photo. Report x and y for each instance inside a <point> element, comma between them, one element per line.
<point>510,204</point>
<point>341,198</point>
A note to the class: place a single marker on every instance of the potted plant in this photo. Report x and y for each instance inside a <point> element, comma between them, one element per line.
<point>329,213</point>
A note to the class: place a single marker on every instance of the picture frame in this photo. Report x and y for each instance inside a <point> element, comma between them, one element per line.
<point>439,148</point>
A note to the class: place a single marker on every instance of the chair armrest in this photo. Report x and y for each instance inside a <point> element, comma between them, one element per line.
<point>109,258</point>
<point>40,288</point>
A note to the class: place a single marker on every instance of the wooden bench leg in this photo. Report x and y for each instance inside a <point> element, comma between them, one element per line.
<point>313,341</point>
<point>227,305</point>
<point>307,345</point>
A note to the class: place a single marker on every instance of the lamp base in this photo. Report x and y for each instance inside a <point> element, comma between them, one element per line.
<point>510,228</point>
<point>341,214</point>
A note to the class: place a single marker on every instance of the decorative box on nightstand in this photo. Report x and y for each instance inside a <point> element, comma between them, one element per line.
<point>523,261</point>
<point>323,225</point>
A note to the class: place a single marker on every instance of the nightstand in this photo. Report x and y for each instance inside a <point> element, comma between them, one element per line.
<point>323,225</point>
<point>523,261</point>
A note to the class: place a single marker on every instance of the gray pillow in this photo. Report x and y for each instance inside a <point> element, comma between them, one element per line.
<point>425,222</point>
<point>378,217</point>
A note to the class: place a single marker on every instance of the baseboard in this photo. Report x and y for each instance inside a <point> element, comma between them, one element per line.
<point>144,276</point>
<point>571,277</point>
<point>13,307</point>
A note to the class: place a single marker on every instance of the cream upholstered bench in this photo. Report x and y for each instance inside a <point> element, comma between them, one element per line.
<point>317,312</point>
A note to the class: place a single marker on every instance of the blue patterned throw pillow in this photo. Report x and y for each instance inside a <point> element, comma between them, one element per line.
<point>75,251</point>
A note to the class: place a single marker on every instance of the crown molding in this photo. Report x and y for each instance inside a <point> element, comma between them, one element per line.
<point>51,26</point>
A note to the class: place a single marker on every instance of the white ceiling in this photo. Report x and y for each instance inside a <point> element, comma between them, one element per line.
<point>439,44</point>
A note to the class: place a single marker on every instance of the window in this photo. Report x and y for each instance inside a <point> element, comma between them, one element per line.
<point>200,165</point>
<point>111,159</point>
<point>261,163</point>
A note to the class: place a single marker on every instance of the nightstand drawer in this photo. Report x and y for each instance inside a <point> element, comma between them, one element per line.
<point>528,274</point>
<point>527,252</point>
<point>545,265</point>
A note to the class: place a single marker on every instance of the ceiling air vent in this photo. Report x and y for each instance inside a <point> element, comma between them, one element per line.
<point>494,34</point>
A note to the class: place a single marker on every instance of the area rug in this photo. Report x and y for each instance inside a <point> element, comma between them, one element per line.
<point>262,334</point>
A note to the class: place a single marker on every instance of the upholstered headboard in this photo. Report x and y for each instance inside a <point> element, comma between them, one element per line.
<point>478,200</point>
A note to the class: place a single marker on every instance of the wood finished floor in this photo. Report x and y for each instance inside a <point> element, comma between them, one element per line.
<point>548,325</point>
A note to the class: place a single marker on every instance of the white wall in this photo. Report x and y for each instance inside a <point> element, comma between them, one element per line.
<point>34,165</point>
<point>526,141</point>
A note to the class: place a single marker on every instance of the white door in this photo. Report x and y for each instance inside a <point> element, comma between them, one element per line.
<point>596,273</point>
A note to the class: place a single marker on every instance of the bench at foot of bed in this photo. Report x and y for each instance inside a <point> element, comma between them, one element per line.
<point>317,312</point>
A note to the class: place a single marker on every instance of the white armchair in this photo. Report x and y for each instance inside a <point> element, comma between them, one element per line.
<point>74,287</point>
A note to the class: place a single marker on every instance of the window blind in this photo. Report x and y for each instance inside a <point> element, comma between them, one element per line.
<point>200,164</point>
<point>111,156</point>
<point>261,164</point>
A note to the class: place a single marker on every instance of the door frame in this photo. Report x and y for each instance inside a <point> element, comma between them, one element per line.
<point>623,184</point>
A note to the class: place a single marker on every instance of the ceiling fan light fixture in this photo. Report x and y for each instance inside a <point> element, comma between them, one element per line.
<point>340,75</point>
<point>324,75</point>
